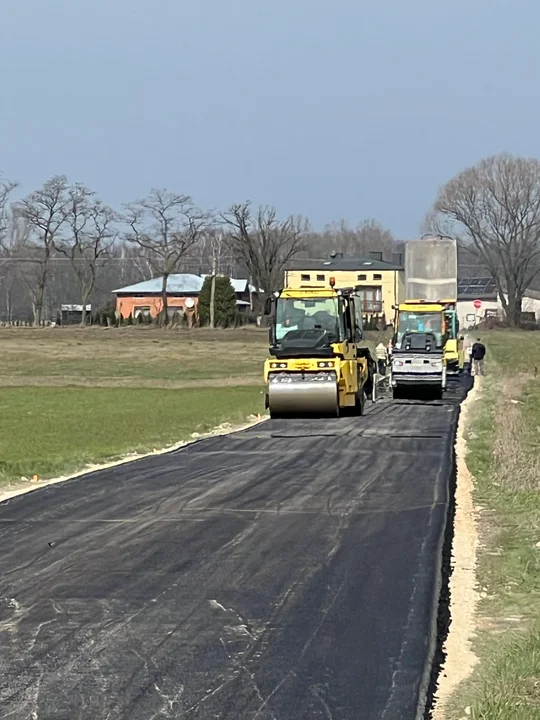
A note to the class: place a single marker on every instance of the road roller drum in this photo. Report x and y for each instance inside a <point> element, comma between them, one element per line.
<point>294,394</point>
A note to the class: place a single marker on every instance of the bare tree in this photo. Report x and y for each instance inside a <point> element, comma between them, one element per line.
<point>7,245</point>
<point>435,223</point>
<point>6,188</point>
<point>263,243</point>
<point>210,247</point>
<point>164,225</point>
<point>495,205</point>
<point>367,236</point>
<point>43,211</point>
<point>91,235</point>
<point>13,261</point>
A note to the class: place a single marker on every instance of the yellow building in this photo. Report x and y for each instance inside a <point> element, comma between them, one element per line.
<point>382,284</point>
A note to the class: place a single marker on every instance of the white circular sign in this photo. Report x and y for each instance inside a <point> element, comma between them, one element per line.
<point>190,303</point>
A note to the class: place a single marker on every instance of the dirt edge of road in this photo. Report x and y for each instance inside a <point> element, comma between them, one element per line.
<point>224,429</point>
<point>460,658</point>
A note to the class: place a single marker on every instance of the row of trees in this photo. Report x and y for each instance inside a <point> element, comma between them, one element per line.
<point>161,234</point>
<point>493,208</point>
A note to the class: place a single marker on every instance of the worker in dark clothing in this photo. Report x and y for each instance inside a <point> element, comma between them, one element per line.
<point>478,354</point>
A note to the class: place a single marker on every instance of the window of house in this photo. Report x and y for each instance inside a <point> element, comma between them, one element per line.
<point>141,310</point>
<point>377,277</point>
<point>320,278</point>
<point>362,277</point>
<point>305,278</point>
<point>371,299</point>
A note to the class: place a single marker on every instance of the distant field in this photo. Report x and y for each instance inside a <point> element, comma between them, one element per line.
<point>130,357</point>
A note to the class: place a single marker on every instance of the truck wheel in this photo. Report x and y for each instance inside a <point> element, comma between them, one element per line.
<point>396,393</point>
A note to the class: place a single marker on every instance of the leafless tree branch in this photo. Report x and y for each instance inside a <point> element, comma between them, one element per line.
<point>6,188</point>
<point>43,211</point>
<point>263,243</point>
<point>91,233</point>
<point>165,226</point>
<point>496,205</point>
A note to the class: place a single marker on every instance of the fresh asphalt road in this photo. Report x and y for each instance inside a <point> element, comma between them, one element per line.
<point>290,571</point>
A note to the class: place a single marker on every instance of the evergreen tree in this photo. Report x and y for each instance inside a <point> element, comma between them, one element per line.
<point>224,302</point>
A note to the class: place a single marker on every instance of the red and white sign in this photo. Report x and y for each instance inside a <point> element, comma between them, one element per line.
<point>477,304</point>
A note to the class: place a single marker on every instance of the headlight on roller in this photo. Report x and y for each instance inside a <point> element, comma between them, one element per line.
<point>325,364</point>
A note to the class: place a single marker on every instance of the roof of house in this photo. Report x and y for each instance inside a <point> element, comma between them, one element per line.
<point>477,288</point>
<point>345,263</point>
<point>178,283</point>
<point>240,285</point>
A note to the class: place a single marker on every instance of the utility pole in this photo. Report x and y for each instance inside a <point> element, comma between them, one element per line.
<point>213,285</point>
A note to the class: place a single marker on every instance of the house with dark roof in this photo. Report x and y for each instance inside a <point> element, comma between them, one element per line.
<point>479,290</point>
<point>182,295</point>
<point>482,291</point>
<point>382,284</point>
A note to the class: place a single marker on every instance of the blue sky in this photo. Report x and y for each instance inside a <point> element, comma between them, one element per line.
<point>334,108</point>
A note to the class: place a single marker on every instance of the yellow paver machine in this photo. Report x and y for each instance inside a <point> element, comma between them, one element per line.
<point>317,365</point>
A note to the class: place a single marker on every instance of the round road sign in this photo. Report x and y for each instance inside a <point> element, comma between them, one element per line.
<point>190,302</point>
<point>477,304</point>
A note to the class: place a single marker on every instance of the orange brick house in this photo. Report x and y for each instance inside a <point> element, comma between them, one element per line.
<point>182,293</point>
<point>145,297</point>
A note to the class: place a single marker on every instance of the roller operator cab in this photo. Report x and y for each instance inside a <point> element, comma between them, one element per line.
<point>316,365</point>
<point>439,318</point>
<point>417,356</point>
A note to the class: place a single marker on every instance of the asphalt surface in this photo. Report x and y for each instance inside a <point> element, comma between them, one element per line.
<point>289,571</point>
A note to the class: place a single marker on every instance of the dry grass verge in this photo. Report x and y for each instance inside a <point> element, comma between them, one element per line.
<point>503,440</point>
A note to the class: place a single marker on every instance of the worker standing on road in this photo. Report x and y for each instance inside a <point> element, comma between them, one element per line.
<point>478,354</point>
<point>382,358</point>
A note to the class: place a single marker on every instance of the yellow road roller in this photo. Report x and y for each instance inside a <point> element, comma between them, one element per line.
<point>316,365</point>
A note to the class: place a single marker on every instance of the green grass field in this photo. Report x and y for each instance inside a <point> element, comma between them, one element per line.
<point>70,397</point>
<point>504,457</point>
<point>48,431</point>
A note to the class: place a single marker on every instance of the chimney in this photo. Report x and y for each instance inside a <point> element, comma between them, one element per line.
<point>397,258</point>
<point>375,255</point>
